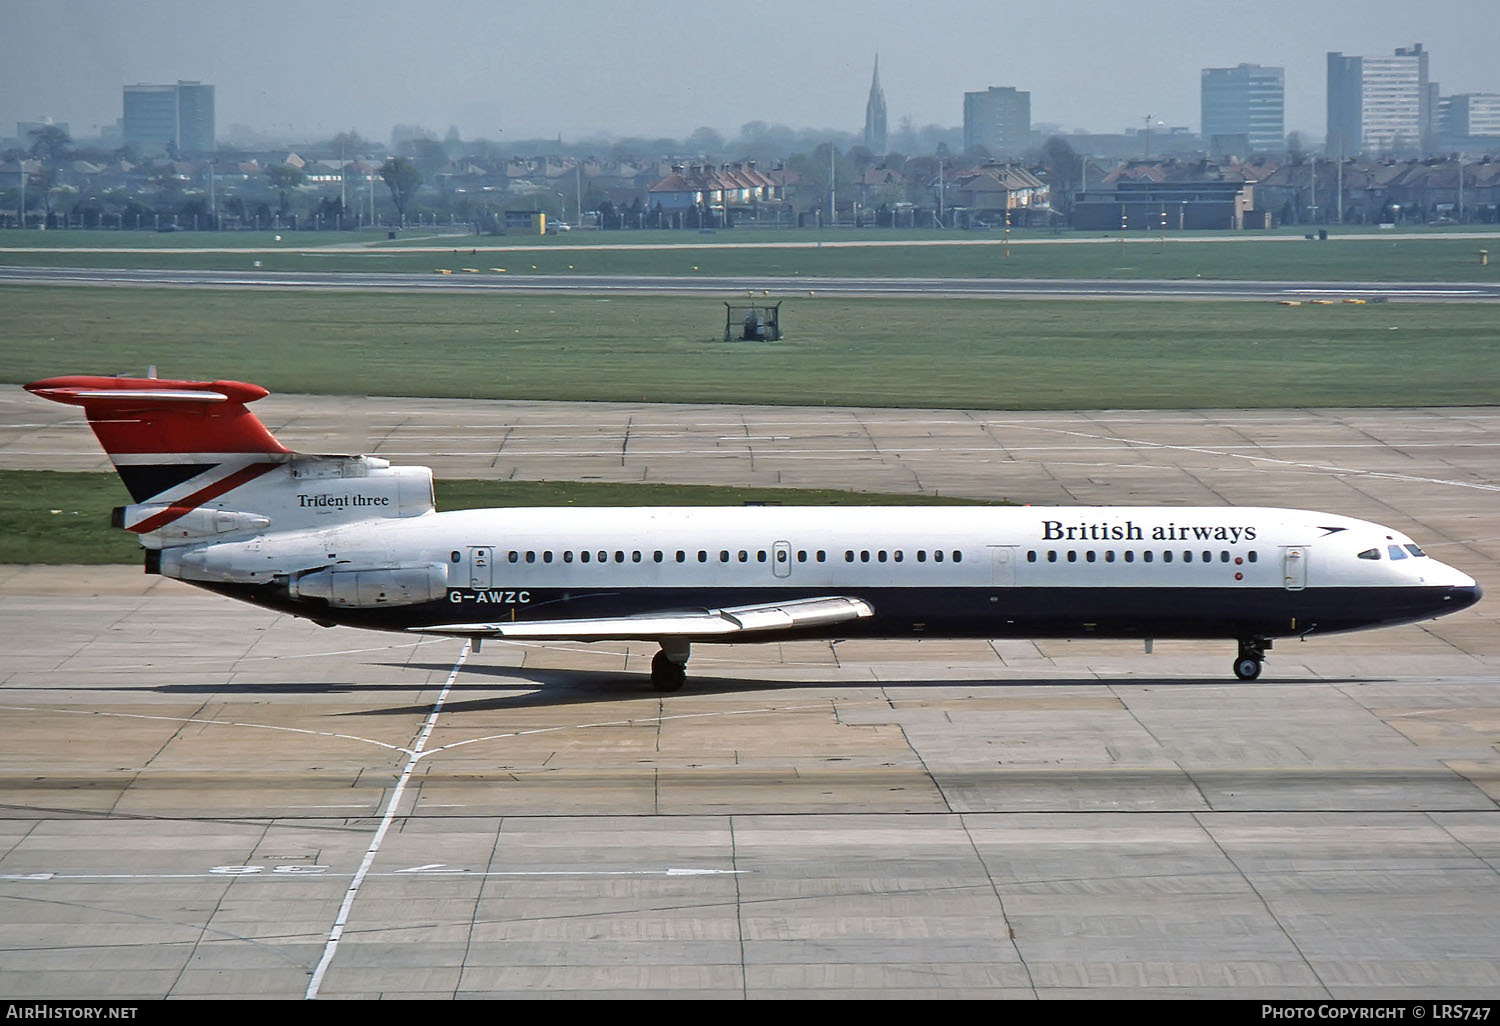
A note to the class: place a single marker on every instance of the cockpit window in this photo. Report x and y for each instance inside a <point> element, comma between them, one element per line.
<point>1370,554</point>
<point>1414,550</point>
<point>1396,551</point>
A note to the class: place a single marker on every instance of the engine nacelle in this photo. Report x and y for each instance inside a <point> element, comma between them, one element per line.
<point>203,522</point>
<point>384,586</point>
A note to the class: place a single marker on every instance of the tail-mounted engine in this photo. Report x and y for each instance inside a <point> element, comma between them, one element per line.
<point>369,588</point>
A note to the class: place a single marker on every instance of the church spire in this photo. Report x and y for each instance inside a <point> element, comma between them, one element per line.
<point>875,114</point>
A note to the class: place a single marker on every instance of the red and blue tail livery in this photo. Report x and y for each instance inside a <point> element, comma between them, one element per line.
<point>351,540</point>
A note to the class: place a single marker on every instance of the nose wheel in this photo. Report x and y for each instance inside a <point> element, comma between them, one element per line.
<point>1247,664</point>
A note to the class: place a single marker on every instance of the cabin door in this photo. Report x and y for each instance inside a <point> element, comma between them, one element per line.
<point>1003,566</point>
<point>481,573</point>
<point>781,559</point>
<point>1294,567</point>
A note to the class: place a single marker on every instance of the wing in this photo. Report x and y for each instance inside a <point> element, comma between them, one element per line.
<point>701,623</point>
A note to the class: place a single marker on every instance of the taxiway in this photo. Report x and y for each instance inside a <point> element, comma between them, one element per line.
<point>205,799</point>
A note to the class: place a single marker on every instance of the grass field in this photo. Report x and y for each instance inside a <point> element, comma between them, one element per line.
<point>1409,255</point>
<point>64,518</point>
<point>966,353</point>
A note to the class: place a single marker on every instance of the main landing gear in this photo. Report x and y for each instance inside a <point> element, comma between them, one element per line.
<point>1252,654</point>
<point>669,666</point>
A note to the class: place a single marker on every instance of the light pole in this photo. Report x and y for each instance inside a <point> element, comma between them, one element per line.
<point>940,192</point>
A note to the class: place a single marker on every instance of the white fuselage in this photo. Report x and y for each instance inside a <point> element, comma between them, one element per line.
<point>971,570</point>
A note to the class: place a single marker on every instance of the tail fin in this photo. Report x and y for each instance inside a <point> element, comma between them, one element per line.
<point>160,434</point>
<point>188,452</point>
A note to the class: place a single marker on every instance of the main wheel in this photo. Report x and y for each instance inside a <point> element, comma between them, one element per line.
<point>1247,667</point>
<point>667,676</point>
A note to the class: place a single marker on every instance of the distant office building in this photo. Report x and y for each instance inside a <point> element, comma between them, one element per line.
<point>1380,105</point>
<point>875,115</point>
<point>1469,119</point>
<point>999,119</point>
<point>163,117</point>
<point>1247,101</point>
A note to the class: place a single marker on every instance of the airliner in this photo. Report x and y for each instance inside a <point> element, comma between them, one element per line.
<point>352,540</point>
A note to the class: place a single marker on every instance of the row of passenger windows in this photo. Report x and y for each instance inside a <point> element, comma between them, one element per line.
<point>1130,555</point>
<point>728,556</point>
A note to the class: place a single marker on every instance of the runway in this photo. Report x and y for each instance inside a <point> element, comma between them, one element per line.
<point>459,278</point>
<point>205,799</point>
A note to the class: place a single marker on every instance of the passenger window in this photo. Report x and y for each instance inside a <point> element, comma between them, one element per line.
<point>702,556</point>
<point>1187,557</point>
<point>1072,556</point>
<point>603,557</point>
<point>619,556</point>
<point>1031,556</point>
<point>656,555</point>
<point>681,556</point>
<point>583,557</point>
<point>822,556</point>
<point>568,556</point>
<point>744,556</point>
<point>1369,554</point>
<point>1089,555</point>
<point>848,555</point>
<point>1109,555</point>
<point>531,557</point>
<point>958,557</point>
<point>802,555</point>
<point>1052,555</point>
<point>1253,556</point>
<point>1130,555</point>
<point>547,556</point>
<point>897,555</point>
<point>1208,557</point>
<point>1148,556</point>
<point>723,555</point>
<point>921,555</point>
<point>880,555</point>
<point>864,555</point>
<point>635,557</point>
<point>1166,557</point>
<point>514,556</point>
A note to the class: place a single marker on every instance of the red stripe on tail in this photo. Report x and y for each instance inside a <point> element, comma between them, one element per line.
<point>186,505</point>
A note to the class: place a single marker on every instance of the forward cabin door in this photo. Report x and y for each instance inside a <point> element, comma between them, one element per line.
<point>1294,567</point>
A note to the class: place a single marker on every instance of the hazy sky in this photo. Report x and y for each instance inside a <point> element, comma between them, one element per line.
<point>665,67</point>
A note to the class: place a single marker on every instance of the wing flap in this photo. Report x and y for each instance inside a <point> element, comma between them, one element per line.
<point>704,623</point>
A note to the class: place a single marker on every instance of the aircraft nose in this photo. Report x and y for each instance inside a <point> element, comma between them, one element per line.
<point>1466,595</point>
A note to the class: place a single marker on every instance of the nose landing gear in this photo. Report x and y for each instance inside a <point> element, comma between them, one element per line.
<point>1252,654</point>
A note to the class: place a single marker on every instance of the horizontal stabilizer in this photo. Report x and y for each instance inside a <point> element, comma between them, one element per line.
<point>136,416</point>
<point>704,623</point>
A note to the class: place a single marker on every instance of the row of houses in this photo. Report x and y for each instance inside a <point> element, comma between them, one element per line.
<point>1146,194</point>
